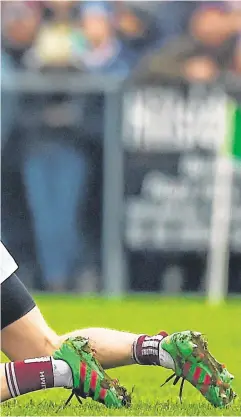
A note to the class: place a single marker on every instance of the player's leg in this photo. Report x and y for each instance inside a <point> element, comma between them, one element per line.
<point>187,349</point>
<point>28,337</point>
<point>34,338</point>
<point>72,366</point>
<point>25,333</point>
<point>113,348</point>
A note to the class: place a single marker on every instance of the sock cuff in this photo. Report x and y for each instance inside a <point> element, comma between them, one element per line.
<point>145,349</point>
<point>134,348</point>
<point>11,379</point>
<point>29,375</point>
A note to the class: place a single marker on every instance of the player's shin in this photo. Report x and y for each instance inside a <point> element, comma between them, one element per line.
<point>113,348</point>
<point>117,348</point>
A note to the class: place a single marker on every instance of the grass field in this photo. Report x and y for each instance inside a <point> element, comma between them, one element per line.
<point>141,314</point>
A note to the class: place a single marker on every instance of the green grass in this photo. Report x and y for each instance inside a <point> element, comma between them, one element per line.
<point>141,314</point>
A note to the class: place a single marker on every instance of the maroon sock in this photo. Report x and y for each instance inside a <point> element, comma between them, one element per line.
<point>29,375</point>
<point>145,350</point>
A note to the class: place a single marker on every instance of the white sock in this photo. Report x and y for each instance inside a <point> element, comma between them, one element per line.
<point>165,359</point>
<point>62,374</point>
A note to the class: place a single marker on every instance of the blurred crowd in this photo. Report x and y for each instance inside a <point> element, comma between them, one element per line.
<point>111,36</point>
<point>52,153</point>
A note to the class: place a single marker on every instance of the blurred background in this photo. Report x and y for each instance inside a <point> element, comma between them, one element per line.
<point>120,131</point>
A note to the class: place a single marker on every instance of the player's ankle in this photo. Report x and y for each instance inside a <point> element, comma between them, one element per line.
<point>62,372</point>
<point>147,350</point>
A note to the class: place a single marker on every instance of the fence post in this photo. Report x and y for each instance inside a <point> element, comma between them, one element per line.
<point>218,260</point>
<point>113,262</point>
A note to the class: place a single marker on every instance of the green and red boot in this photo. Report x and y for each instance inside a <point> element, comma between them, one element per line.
<point>194,363</point>
<point>89,378</point>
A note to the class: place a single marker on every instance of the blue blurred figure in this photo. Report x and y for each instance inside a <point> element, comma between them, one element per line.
<point>105,52</point>
<point>55,177</point>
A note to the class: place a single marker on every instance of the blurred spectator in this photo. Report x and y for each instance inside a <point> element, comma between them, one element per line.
<point>215,22</point>
<point>20,24</point>
<point>201,68</point>
<point>55,177</point>
<point>104,52</point>
<point>53,44</point>
<point>217,27</point>
<point>153,23</point>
